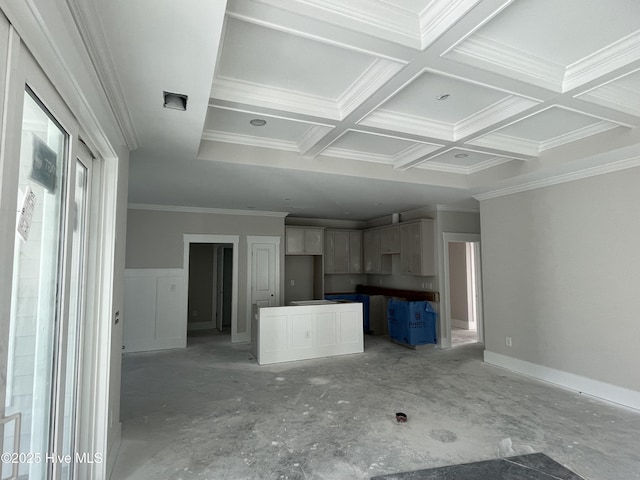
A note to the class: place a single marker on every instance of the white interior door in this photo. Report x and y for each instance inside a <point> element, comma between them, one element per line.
<point>264,288</point>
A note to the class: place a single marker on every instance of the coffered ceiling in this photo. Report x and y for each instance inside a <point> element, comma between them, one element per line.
<point>387,104</point>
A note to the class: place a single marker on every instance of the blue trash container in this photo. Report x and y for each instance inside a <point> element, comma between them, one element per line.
<point>411,323</point>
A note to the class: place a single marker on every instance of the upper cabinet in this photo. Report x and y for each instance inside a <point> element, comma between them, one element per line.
<point>417,248</point>
<point>374,260</point>
<point>304,240</point>
<point>390,240</point>
<point>342,251</point>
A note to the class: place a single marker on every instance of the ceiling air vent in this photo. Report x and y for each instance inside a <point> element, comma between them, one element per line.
<point>177,101</point>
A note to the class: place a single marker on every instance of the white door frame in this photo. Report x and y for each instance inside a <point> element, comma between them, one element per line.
<point>204,238</point>
<point>448,238</point>
<point>270,239</point>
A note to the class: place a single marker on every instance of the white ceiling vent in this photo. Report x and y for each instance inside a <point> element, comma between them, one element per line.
<point>177,101</point>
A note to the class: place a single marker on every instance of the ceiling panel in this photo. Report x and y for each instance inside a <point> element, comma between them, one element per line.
<point>376,148</point>
<point>556,45</point>
<point>549,128</point>
<point>272,58</point>
<point>414,6</point>
<point>621,94</point>
<point>463,161</point>
<point>566,31</point>
<point>420,98</point>
<point>234,121</point>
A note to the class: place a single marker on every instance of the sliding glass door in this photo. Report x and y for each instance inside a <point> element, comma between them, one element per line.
<point>51,177</point>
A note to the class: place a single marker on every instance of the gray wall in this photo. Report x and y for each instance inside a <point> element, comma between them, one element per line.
<point>458,283</point>
<point>201,283</point>
<point>155,240</point>
<point>561,276</point>
<point>298,269</point>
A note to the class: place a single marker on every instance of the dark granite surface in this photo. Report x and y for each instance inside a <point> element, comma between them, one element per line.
<point>536,466</point>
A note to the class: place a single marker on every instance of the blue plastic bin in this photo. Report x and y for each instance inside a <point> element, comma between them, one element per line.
<point>411,323</point>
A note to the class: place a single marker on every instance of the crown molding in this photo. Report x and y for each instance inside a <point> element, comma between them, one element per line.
<point>499,141</point>
<point>439,16</point>
<point>216,136</point>
<point>497,112</point>
<point>488,53</point>
<point>378,19</point>
<point>412,153</point>
<point>311,137</point>
<point>356,155</point>
<point>241,91</point>
<point>91,29</point>
<point>409,124</point>
<point>443,167</point>
<point>605,60</point>
<point>374,76</point>
<point>615,96</point>
<point>210,211</point>
<point>578,134</point>
<point>562,178</point>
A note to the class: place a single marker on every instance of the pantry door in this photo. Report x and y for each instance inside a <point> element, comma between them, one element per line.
<point>44,205</point>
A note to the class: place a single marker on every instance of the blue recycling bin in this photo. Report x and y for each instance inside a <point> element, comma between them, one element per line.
<point>411,323</point>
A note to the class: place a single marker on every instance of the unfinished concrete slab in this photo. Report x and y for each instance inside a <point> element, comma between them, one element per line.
<point>210,412</point>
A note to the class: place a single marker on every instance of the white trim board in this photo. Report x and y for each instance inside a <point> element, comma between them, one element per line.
<point>563,178</point>
<point>604,391</point>
<point>215,211</point>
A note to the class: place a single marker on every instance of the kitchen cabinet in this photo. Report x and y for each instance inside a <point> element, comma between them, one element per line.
<point>342,251</point>
<point>417,248</point>
<point>304,240</point>
<point>374,260</point>
<point>390,240</point>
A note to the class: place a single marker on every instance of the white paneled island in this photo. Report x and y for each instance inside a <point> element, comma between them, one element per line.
<point>307,330</point>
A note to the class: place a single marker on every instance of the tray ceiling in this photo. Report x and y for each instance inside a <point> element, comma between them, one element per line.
<point>466,95</point>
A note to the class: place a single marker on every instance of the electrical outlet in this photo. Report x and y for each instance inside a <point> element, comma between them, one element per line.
<point>508,342</point>
<point>292,283</point>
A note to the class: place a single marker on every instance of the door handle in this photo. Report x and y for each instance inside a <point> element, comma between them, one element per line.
<point>17,417</point>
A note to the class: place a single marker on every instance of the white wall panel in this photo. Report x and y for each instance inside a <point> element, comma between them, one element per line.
<point>152,316</point>
<point>311,331</point>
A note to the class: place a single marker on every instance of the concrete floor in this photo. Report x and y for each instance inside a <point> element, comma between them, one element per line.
<point>210,412</point>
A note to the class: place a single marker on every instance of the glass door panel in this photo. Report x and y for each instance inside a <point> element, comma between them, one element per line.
<point>36,287</point>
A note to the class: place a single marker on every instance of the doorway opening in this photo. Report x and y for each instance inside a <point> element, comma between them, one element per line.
<point>462,280</point>
<point>210,289</point>
<point>210,306</point>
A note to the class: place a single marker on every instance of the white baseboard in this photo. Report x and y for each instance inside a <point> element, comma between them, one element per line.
<point>605,391</point>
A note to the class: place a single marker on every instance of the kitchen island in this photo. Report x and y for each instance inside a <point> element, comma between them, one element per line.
<point>307,330</point>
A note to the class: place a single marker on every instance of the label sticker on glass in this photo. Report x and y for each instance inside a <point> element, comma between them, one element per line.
<point>44,165</point>
<point>26,214</point>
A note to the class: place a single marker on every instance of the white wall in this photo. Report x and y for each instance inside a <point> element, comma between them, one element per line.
<point>561,276</point>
